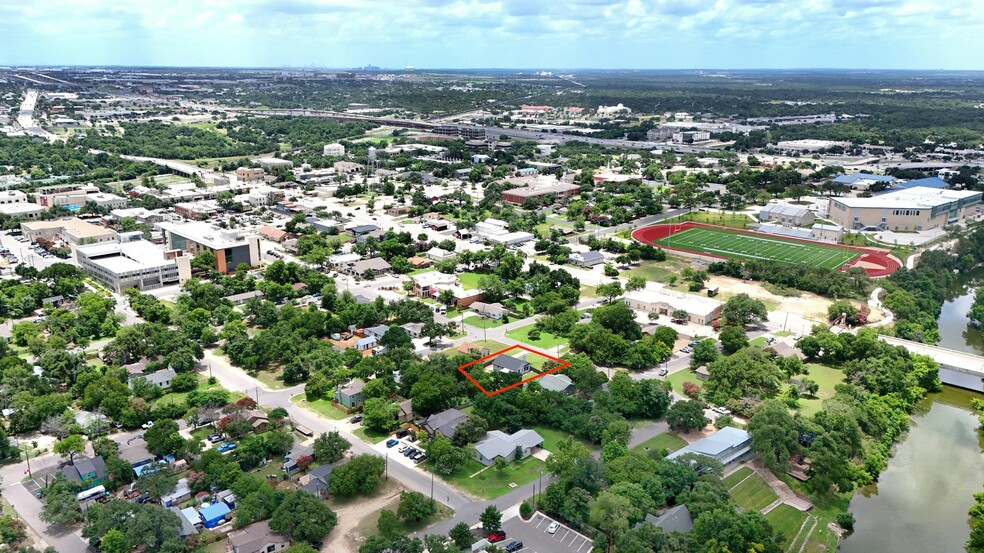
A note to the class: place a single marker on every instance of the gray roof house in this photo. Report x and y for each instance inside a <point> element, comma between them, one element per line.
<point>368,342</point>
<point>510,364</point>
<point>187,526</point>
<point>258,538</point>
<point>376,264</point>
<point>586,259</point>
<point>350,395</point>
<point>674,519</point>
<point>376,331</point>
<point>489,310</point>
<point>556,383</point>
<point>413,329</point>
<point>182,492</point>
<point>444,422</point>
<point>499,444</point>
<point>315,482</point>
<point>161,378</point>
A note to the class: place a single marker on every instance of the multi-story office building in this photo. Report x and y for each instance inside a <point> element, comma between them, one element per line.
<point>229,246</point>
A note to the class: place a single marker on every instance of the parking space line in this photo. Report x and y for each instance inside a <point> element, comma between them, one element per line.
<point>541,521</point>
<point>582,545</point>
<point>565,535</point>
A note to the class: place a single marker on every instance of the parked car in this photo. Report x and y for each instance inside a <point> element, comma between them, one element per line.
<point>215,438</point>
<point>355,419</point>
<point>770,340</point>
<point>147,425</point>
<point>226,446</point>
<point>721,410</point>
<point>663,372</point>
<point>391,442</point>
<point>412,437</point>
<point>420,458</point>
<point>514,546</point>
<point>497,536</point>
<point>552,529</point>
<point>402,448</point>
<point>685,349</point>
<point>402,433</point>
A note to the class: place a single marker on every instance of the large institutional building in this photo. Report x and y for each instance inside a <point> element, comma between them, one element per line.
<point>229,247</point>
<point>918,208</point>
<point>137,264</point>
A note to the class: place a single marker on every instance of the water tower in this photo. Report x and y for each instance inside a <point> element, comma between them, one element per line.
<point>371,162</point>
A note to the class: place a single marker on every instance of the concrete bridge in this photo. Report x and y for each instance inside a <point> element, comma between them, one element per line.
<point>957,368</point>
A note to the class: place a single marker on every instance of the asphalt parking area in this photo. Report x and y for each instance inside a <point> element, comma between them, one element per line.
<point>535,538</point>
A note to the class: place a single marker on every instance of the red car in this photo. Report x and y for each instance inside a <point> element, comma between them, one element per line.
<point>497,536</point>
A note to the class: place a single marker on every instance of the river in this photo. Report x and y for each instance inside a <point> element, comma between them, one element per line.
<point>920,502</point>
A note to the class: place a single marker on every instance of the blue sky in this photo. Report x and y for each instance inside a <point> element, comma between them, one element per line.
<point>903,34</point>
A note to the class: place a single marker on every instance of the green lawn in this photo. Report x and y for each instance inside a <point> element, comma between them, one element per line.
<point>482,322</point>
<point>270,379</point>
<point>735,477</point>
<point>321,406</point>
<point>416,272</point>
<point>588,292</point>
<point>827,378</point>
<point>757,342</point>
<point>552,437</point>
<point>469,281</point>
<point>677,379</point>
<point>369,436</point>
<point>546,341</point>
<point>788,521</point>
<point>752,493</point>
<point>652,273</point>
<point>665,440</point>
<point>178,398</point>
<point>738,220</point>
<point>492,483</point>
<point>740,246</point>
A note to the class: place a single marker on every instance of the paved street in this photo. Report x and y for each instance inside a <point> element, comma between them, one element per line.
<point>536,538</point>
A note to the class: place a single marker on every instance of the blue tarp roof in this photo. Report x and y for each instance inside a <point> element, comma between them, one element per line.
<point>215,511</point>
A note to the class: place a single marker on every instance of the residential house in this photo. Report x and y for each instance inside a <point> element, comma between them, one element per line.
<point>180,494</point>
<point>507,363</point>
<point>89,472</point>
<point>586,259</point>
<point>674,519</point>
<point>444,422</point>
<point>350,396</point>
<point>162,378</point>
<point>215,514</point>
<point>257,419</point>
<point>189,520</point>
<point>274,234</point>
<point>358,230</point>
<point>556,383</point>
<point>419,262</point>
<point>378,331</point>
<point>257,538</point>
<point>656,298</point>
<point>369,342</point>
<point>499,444</point>
<point>405,414</point>
<point>493,311</point>
<point>315,482</point>
<point>413,329</point>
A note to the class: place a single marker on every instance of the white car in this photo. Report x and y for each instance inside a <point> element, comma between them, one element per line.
<point>552,529</point>
<point>721,410</point>
<point>147,425</point>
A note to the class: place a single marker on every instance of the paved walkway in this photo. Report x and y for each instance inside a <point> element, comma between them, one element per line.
<point>785,493</point>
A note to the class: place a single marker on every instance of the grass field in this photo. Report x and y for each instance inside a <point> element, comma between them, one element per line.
<point>469,281</point>
<point>552,437</point>
<point>665,440</point>
<point>825,377</point>
<point>735,245</point>
<point>787,520</point>
<point>322,407</point>
<point>733,220</point>
<point>749,490</point>
<point>481,322</point>
<point>492,483</point>
<point>546,341</point>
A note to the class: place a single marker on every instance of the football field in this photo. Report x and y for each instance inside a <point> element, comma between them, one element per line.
<point>736,245</point>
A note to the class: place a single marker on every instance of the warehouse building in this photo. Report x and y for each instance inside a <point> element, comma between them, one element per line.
<point>918,208</point>
<point>654,298</point>
<point>558,190</point>
<point>786,214</point>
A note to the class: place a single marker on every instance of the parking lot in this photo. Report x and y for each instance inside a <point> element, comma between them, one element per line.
<point>394,452</point>
<point>536,539</point>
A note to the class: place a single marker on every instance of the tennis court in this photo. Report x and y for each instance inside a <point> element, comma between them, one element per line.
<point>744,246</point>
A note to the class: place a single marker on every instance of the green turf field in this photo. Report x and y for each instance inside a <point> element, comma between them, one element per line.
<point>736,245</point>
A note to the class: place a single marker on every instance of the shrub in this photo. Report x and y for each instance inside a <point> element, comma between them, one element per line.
<point>691,390</point>
<point>846,521</point>
<point>525,510</point>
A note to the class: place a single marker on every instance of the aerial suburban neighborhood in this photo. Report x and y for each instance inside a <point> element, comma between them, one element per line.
<point>300,308</point>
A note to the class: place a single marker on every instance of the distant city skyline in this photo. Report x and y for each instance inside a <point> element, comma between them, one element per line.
<point>519,34</point>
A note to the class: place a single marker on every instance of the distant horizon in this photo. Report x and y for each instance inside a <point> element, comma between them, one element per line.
<point>380,68</point>
<point>928,35</point>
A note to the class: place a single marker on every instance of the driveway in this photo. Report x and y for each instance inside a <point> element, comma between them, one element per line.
<point>535,538</point>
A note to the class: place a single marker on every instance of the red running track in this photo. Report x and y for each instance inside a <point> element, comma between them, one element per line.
<point>876,263</point>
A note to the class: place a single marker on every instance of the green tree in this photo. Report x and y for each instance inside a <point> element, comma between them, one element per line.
<point>445,455</point>
<point>388,524</point>
<point>61,506</point>
<point>704,353</point>
<point>361,475</point>
<point>415,506</point>
<point>733,338</point>
<point>609,290</point>
<point>741,310</point>
<point>379,414</point>
<point>686,415</point>
<point>303,517</point>
<point>491,519</point>
<point>114,541</point>
<point>611,513</point>
<point>157,483</point>
<point>70,446</point>
<point>163,438</point>
<point>461,535</point>
<point>774,435</point>
<point>330,447</point>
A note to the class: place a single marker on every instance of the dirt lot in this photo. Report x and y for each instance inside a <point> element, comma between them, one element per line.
<point>807,305</point>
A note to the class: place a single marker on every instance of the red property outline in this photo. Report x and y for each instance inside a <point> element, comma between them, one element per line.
<point>881,263</point>
<point>461,369</point>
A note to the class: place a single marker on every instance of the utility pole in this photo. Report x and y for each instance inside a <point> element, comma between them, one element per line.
<point>432,489</point>
<point>387,467</point>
